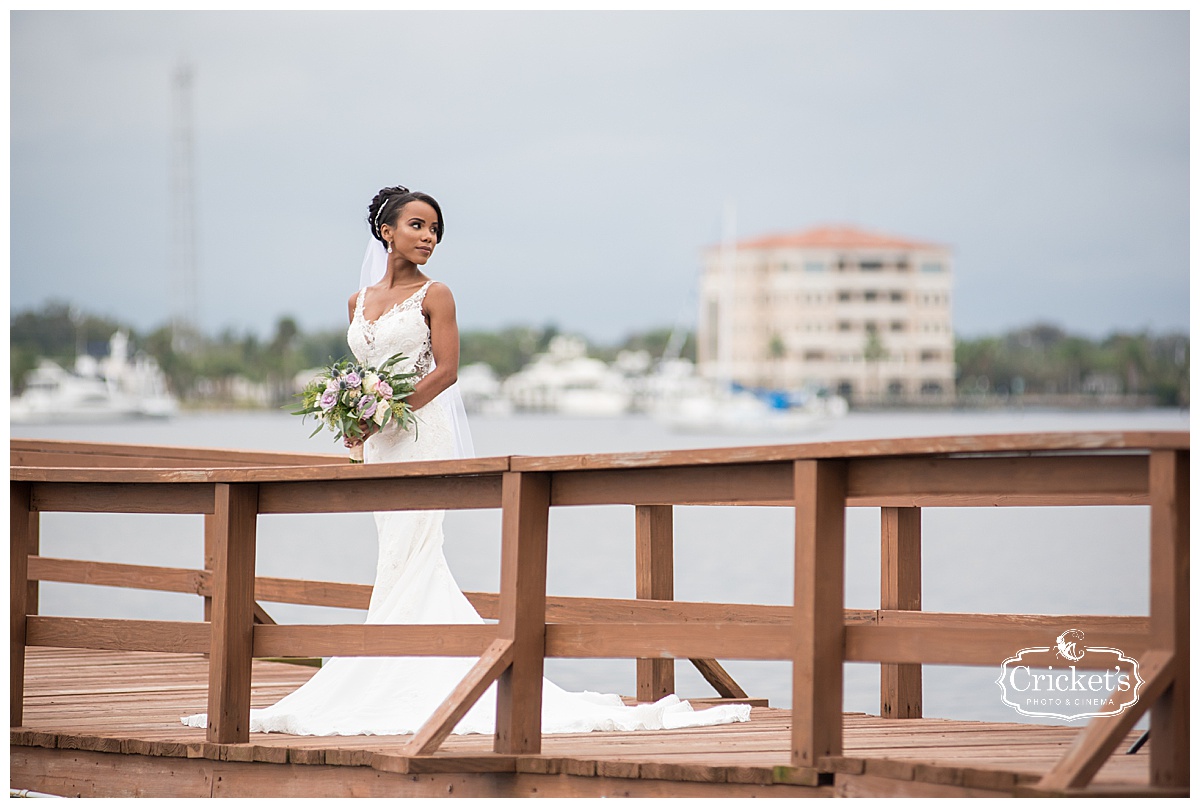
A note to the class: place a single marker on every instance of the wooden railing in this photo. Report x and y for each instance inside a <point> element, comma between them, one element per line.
<point>816,633</point>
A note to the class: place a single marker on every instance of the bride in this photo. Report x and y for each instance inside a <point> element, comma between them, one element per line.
<point>399,309</point>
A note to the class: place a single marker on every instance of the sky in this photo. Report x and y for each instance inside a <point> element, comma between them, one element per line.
<point>583,160</point>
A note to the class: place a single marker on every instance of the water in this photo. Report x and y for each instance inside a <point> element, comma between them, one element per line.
<point>987,560</point>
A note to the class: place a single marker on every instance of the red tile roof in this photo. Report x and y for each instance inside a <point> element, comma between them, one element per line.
<point>841,237</point>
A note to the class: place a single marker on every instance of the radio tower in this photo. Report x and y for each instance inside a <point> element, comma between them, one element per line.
<point>183,214</point>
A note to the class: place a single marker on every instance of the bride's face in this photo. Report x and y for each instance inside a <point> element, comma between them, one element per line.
<point>416,232</point>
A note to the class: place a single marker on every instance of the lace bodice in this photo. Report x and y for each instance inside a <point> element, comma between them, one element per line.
<point>400,329</point>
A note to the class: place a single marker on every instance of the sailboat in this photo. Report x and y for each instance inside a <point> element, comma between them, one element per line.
<point>687,401</point>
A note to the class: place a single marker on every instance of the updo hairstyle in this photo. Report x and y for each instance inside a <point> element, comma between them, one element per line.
<point>387,204</point>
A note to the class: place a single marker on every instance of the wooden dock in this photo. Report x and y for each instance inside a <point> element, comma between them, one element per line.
<point>95,703</point>
<point>115,714</point>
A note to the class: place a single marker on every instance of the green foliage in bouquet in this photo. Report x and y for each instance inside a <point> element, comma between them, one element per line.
<point>355,400</point>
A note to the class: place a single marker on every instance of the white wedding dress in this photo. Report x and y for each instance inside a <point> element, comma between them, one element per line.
<point>413,584</point>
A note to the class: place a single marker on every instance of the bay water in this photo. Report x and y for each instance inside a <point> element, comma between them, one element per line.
<point>1077,560</point>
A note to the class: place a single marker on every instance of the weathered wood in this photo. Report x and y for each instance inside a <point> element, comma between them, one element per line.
<point>268,473</point>
<point>494,661</point>
<point>211,527</point>
<point>719,678</point>
<point>876,447</point>
<point>236,515</point>
<point>522,612</point>
<point>91,454</point>
<point>19,527</point>
<point>35,546</point>
<point>900,589</point>
<point>958,645</point>
<point>699,485</point>
<point>667,641</point>
<point>989,481</point>
<point>103,633</point>
<point>1102,735</point>
<point>820,496</point>
<point>655,570</point>
<point>130,576</point>
<point>1170,615</point>
<point>123,498</point>
<point>375,639</point>
<point>404,493</point>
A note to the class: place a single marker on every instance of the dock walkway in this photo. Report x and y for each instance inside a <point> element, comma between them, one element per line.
<point>118,714</point>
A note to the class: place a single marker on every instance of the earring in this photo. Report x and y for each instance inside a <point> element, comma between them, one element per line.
<point>389,248</point>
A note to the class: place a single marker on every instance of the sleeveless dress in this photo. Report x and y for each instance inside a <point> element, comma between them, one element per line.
<point>413,585</point>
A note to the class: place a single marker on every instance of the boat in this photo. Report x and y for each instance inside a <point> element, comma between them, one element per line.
<point>118,387</point>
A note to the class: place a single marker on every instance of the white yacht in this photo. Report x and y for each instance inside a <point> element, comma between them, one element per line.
<point>114,388</point>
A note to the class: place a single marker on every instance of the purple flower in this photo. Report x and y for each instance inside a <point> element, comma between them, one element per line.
<point>366,406</point>
<point>352,379</point>
<point>328,400</point>
<point>383,389</point>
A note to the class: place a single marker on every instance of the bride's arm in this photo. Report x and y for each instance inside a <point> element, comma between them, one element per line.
<point>443,334</point>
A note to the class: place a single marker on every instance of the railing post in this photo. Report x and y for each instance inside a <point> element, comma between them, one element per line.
<point>818,621</point>
<point>210,526</point>
<point>1170,622</point>
<point>656,581</point>
<point>35,548</point>
<point>526,502</point>
<point>22,520</point>
<point>232,627</point>
<point>900,588</point>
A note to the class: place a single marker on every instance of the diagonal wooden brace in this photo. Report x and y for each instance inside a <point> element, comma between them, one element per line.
<point>495,661</point>
<point>1100,737</point>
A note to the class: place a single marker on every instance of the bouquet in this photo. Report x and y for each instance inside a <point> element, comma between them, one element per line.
<point>355,401</point>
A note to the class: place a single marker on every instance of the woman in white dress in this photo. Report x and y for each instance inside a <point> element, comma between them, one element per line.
<point>407,312</point>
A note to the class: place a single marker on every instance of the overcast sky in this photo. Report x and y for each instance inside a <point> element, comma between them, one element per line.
<point>583,160</point>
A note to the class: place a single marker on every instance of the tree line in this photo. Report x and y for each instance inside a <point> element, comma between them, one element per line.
<point>198,365</point>
<point>1040,359</point>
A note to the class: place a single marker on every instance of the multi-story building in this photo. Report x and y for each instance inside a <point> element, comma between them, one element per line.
<point>863,314</point>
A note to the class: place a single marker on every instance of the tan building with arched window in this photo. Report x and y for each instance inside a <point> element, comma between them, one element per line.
<point>864,314</point>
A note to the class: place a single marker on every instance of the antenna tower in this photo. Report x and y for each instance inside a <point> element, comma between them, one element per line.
<point>183,213</point>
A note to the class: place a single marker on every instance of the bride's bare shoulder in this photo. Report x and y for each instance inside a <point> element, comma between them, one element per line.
<point>353,304</point>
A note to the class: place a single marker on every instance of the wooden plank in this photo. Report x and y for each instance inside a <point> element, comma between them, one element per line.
<point>1170,615</point>
<point>992,481</point>
<point>1089,623</point>
<point>374,639</point>
<point>1102,735</point>
<point>232,614</point>
<point>936,645</point>
<point>655,571</point>
<point>667,641</point>
<point>699,485</point>
<point>215,472</point>
<point>522,612</point>
<point>102,633</point>
<point>881,447</point>
<point>19,539</point>
<point>123,498</point>
<point>900,589</point>
<point>39,448</point>
<point>405,493</point>
<point>35,545</point>
<point>211,526</point>
<point>818,629</point>
<point>725,685</point>
<point>130,576</point>
<point>494,661</point>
